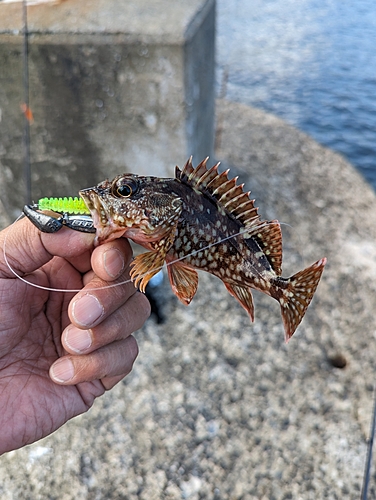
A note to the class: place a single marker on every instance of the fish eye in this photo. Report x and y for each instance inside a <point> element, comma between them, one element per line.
<point>124,188</point>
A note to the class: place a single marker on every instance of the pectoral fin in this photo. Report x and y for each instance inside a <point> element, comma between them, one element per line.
<point>244,296</point>
<point>183,281</point>
<point>144,267</point>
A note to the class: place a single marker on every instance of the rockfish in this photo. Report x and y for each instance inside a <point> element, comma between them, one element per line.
<point>201,220</point>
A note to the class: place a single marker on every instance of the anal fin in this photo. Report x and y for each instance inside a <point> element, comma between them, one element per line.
<point>184,281</point>
<point>244,296</point>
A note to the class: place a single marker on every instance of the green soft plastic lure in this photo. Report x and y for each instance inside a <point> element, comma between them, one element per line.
<point>69,212</point>
<point>63,205</point>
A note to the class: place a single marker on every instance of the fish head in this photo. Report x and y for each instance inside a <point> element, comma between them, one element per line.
<point>142,208</point>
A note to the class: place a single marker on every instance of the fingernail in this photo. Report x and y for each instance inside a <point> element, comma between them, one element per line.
<point>87,310</point>
<point>62,370</point>
<point>77,340</point>
<point>113,262</point>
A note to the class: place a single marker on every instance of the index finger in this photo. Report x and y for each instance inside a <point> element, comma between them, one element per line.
<point>27,249</point>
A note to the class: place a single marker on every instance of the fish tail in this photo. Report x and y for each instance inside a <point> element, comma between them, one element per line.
<point>297,296</point>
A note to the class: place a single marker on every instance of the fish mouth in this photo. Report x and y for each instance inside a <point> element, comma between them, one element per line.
<point>107,229</point>
<point>96,206</point>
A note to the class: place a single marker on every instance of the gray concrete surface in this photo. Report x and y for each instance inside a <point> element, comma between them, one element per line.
<point>114,86</point>
<point>217,408</point>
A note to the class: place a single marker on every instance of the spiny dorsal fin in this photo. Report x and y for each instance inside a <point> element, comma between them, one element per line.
<point>219,187</point>
<point>177,172</point>
<point>236,202</point>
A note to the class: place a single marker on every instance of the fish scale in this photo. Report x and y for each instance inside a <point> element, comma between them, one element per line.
<point>201,220</point>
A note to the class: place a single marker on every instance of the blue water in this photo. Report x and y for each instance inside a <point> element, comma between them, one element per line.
<point>310,62</point>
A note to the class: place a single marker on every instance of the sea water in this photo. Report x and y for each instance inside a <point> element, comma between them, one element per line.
<point>310,62</point>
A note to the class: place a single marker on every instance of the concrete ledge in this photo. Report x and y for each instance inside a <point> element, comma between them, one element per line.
<point>145,21</point>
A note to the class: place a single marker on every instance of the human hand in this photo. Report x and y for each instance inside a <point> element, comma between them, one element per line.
<point>59,351</point>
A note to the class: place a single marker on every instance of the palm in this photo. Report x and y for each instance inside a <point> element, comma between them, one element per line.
<point>29,348</point>
<point>59,351</point>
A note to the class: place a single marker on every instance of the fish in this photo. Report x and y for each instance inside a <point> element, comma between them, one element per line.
<point>201,220</point>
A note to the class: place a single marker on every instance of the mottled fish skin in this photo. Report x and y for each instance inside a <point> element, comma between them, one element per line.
<point>201,220</point>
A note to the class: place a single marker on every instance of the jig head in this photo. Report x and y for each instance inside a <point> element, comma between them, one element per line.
<point>71,213</point>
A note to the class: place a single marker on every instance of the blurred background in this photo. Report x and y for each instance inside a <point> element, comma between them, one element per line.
<point>311,63</point>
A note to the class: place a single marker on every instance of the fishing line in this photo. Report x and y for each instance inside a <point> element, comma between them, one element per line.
<point>26,87</point>
<point>113,285</point>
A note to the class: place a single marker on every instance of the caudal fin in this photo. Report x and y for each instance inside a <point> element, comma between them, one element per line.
<point>298,295</point>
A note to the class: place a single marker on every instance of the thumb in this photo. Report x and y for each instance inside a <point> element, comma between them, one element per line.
<point>26,248</point>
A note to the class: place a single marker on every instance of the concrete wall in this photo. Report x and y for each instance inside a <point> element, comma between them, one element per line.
<point>114,87</point>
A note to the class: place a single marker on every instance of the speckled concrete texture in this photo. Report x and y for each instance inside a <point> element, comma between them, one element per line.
<point>218,408</point>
